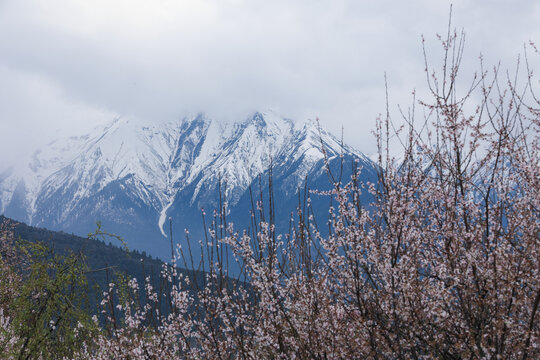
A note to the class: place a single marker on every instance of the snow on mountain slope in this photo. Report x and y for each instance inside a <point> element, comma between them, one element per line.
<point>28,176</point>
<point>238,159</point>
<point>131,168</point>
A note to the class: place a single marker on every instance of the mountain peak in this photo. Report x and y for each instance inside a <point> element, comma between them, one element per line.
<point>132,171</point>
<point>258,118</point>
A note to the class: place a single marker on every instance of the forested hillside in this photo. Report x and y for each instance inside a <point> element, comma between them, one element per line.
<point>102,253</point>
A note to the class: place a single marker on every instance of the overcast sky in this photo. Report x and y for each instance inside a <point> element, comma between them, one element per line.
<point>67,66</point>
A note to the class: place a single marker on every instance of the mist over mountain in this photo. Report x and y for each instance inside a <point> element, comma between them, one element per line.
<point>132,176</point>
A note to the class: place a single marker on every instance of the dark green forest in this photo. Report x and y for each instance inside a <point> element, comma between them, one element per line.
<point>102,256</point>
<point>106,258</point>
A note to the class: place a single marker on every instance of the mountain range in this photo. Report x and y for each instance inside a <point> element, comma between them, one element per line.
<point>133,175</point>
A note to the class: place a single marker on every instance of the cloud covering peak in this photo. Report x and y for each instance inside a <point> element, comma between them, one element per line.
<point>69,65</point>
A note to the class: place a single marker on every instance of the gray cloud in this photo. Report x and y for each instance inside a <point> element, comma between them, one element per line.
<point>69,65</point>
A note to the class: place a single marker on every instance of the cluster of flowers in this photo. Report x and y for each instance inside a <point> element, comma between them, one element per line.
<point>444,263</point>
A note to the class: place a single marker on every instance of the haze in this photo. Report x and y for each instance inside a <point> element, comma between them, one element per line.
<point>67,66</point>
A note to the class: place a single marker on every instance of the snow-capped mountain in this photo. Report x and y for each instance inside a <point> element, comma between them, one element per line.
<point>132,175</point>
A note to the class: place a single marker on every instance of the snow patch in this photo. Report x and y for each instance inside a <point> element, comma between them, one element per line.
<point>163,217</point>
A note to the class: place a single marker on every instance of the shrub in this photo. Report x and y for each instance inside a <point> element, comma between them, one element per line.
<point>42,300</point>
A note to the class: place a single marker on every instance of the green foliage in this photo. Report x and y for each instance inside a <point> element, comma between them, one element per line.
<point>50,309</point>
